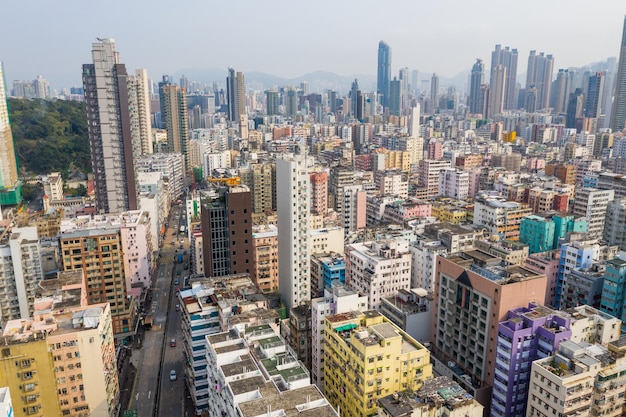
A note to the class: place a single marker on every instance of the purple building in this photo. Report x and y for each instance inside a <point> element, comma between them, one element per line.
<point>529,334</point>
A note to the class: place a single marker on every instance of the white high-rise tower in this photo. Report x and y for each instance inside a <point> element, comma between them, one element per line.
<point>293,201</point>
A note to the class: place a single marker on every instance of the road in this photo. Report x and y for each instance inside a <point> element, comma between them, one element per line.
<point>155,359</point>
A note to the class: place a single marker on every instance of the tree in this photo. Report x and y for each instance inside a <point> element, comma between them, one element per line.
<point>49,135</point>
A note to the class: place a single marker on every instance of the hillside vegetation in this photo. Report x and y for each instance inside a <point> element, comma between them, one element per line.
<point>50,136</point>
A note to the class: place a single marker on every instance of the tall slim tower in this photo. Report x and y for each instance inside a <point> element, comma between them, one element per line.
<point>236,93</point>
<point>174,114</point>
<point>384,72</point>
<point>144,118</point>
<point>539,75</point>
<point>8,161</point>
<point>593,96</point>
<point>508,59</point>
<point>618,113</point>
<point>476,80</point>
<point>497,90</point>
<point>434,91</point>
<point>105,83</point>
<point>293,201</point>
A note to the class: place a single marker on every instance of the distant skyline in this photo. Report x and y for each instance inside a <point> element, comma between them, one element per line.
<point>290,39</point>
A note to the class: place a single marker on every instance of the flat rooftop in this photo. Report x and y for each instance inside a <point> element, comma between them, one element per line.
<point>301,402</point>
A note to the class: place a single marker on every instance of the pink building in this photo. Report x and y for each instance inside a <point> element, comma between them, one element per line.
<point>435,150</point>
<point>535,164</point>
<point>546,263</point>
<point>401,211</point>
<point>319,192</point>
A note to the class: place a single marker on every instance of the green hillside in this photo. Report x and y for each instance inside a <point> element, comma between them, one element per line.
<point>50,135</point>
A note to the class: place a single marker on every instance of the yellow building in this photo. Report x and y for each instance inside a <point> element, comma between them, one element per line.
<point>80,342</point>
<point>26,367</point>
<point>398,160</point>
<point>449,213</point>
<point>367,357</point>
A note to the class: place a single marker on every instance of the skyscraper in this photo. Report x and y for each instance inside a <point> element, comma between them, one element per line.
<point>434,91</point>
<point>236,93</point>
<point>404,88</point>
<point>476,81</point>
<point>174,114</point>
<point>561,91</point>
<point>140,101</point>
<point>292,196</point>
<point>618,113</point>
<point>508,59</point>
<point>394,101</point>
<point>539,75</point>
<point>593,97</point>
<point>384,72</point>
<point>105,83</point>
<point>271,102</point>
<point>8,161</point>
<point>497,90</point>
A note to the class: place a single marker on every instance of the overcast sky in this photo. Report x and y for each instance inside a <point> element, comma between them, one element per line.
<point>289,38</point>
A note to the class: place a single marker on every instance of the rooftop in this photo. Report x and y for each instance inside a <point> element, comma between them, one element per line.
<point>301,402</point>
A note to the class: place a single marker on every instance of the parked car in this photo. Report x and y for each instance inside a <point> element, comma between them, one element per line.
<point>172,375</point>
<point>173,343</point>
<point>176,281</point>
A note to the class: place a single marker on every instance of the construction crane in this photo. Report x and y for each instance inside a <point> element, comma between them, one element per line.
<point>231,181</point>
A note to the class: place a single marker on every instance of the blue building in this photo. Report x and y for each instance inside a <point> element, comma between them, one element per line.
<point>334,269</point>
<point>542,232</point>
<point>613,290</point>
<point>528,334</point>
<point>574,255</point>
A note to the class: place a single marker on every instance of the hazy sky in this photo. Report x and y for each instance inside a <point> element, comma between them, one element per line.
<point>289,38</point>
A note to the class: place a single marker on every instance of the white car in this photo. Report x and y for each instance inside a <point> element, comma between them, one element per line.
<point>172,375</point>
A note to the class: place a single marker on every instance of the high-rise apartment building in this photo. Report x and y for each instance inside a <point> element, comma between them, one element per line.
<point>497,90</point>
<point>503,79</point>
<point>175,119</point>
<point>580,379</point>
<point>615,223</point>
<point>429,170</point>
<point>434,92</point>
<point>293,200</point>
<point>529,333</point>
<point>10,188</point>
<point>367,357</point>
<point>27,369</point>
<point>561,90</point>
<point>474,291</point>
<point>141,117</point>
<point>264,272</point>
<point>613,300</point>
<point>261,179</point>
<point>236,95</point>
<point>319,192</point>
<point>378,269</point>
<point>226,217</point>
<point>22,270</point>
<point>618,111</point>
<point>271,102</point>
<point>337,299</point>
<point>591,203</point>
<point>105,83</point>
<point>98,251</point>
<point>539,76</point>
<point>477,77</point>
<point>594,95</point>
<point>384,72</point>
